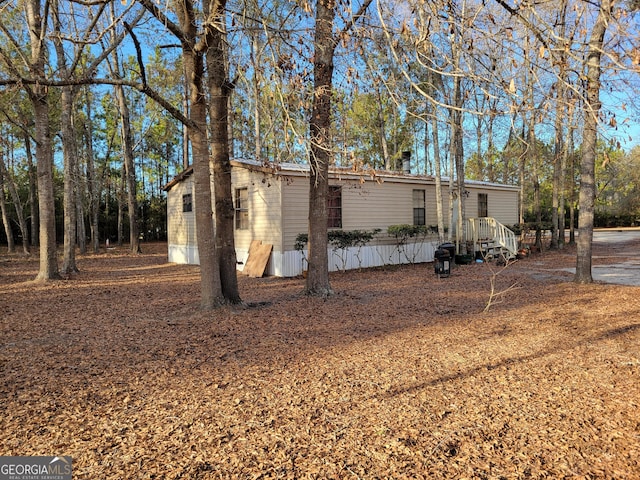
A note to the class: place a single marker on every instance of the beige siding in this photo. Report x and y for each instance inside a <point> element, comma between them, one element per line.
<point>372,205</point>
<point>430,200</point>
<point>502,204</point>
<point>265,214</point>
<point>181,225</point>
<point>365,206</point>
<point>295,209</point>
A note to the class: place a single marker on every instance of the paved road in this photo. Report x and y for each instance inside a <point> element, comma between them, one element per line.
<point>626,268</point>
<point>616,236</point>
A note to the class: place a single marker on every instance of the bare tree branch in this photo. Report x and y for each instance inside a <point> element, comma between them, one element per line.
<point>143,74</point>
<point>162,18</point>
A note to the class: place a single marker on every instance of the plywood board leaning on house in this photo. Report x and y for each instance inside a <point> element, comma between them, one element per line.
<point>259,254</point>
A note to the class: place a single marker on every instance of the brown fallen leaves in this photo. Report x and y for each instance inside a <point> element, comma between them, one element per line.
<point>399,375</point>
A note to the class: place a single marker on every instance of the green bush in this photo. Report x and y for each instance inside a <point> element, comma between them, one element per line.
<point>402,233</point>
<point>352,238</point>
<point>340,239</point>
<point>301,240</point>
<point>410,231</point>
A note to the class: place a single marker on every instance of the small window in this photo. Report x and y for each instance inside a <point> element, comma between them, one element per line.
<point>242,209</point>
<point>187,203</point>
<point>483,205</point>
<point>334,207</point>
<point>419,210</point>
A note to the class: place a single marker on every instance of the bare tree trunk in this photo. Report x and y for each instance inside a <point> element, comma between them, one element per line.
<point>437,162</point>
<point>70,159</point>
<point>451,190</point>
<point>522,163</point>
<point>185,130</point>
<point>455,118</point>
<point>194,48</point>
<point>562,197</point>
<point>230,123</point>
<point>531,154</point>
<point>129,179</point>
<point>438,174</point>
<point>129,167</point>
<point>572,211</point>
<point>69,153</point>
<point>555,195</point>
<point>17,202</point>
<point>257,117</point>
<point>589,141</point>
<point>121,195</point>
<point>81,231</point>
<point>38,94</point>
<point>559,145</point>
<point>6,221</point>
<point>479,139</point>
<point>461,247</point>
<point>320,133</point>
<point>457,152</point>
<point>428,166</point>
<point>93,185</point>
<point>81,189</point>
<point>572,190</point>
<point>535,178</point>
<point>44,154</point>
<point>386,160</point>
<point>219,93</point>
<point>33,193</point>
<point>491,175</point>
<point>210,284</point>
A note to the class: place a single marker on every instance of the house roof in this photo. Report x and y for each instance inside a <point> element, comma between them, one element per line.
<point>178,178</point>
<point>364,172</point>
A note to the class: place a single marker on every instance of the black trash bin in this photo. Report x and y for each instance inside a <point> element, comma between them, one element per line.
<point>451,248</point>
<point>442,262</point>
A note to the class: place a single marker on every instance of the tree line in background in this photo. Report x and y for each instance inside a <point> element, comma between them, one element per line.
<point>102,103</point>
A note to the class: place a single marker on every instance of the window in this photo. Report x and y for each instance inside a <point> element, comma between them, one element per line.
<point>242,209</point>
<point>419,211</point>
<point>187,203</point>
<point>483,205</point>
<point>334,207</point>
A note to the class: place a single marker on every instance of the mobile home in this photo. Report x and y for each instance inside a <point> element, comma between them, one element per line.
<point>271,205</point>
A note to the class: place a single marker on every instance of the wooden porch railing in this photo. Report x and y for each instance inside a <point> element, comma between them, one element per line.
<point>485,229</point>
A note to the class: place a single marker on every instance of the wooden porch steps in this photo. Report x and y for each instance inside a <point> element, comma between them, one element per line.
<point>489,239</point>
<point>489,249</point>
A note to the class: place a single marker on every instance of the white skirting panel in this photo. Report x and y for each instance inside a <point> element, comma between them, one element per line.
<point>184,254</point>
<point>293,263</point>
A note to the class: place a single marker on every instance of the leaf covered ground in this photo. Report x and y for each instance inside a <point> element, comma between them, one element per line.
<point>400,374</point>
